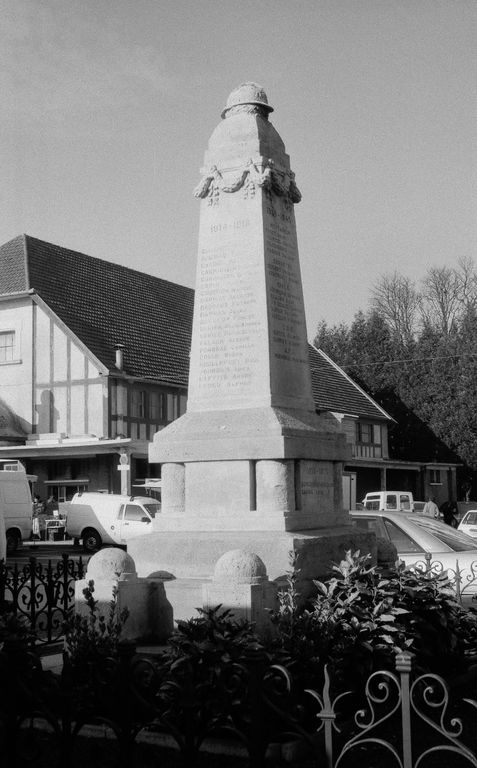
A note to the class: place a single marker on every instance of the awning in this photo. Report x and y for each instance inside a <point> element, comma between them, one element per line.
<point>68,448</point>
<point>69,481</point>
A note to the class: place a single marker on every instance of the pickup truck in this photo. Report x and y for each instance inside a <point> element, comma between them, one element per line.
<point>389,501</point>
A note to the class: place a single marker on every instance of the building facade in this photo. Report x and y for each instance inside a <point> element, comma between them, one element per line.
<point>94,359</point>
<point>82,388</point>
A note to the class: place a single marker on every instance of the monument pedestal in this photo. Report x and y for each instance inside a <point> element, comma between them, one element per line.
<point>252,469</point>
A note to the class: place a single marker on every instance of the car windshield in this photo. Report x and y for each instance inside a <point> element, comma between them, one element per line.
<point>152,508</point>
<point>470,518</point>
<point>372,505</point>
<point>456,540</point>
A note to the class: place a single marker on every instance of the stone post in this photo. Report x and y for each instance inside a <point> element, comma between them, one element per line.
<point>149,612</point>
<point>240,583</point>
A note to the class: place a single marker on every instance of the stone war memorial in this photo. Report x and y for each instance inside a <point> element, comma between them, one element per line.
<point>250,466</point>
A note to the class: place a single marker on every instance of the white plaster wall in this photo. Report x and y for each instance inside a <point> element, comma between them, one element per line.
<point>77,363</point>
<point>95,407</point>
<point>77,409</point>
<point>69,396</point>
<point>16,377</point>
<point>42,346</point>
<point>60,355</point>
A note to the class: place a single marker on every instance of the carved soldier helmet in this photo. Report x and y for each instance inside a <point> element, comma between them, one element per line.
<point>247,93</point>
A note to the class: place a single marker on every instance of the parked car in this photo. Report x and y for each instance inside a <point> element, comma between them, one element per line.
<point>468,524</point>
<point>414,536</point>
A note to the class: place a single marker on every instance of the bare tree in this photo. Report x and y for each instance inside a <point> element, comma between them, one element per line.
<point>467,283</point>
<point>442,305</point>
<point>395,298</point>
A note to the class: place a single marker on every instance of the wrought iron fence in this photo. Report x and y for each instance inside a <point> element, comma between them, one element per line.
<point>43,594</point>
<point>248,713</point>
<point>462,580</point>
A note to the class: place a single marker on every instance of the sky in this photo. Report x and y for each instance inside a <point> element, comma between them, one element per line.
<point>107,106</point>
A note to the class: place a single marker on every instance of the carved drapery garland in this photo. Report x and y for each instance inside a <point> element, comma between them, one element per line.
<point>253,174</point>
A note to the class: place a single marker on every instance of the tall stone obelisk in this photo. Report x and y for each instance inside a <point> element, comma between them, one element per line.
<point>250,463</point>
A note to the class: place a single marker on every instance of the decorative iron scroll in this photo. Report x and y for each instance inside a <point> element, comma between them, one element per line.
<point>43,717</point>
<point>43,594</point>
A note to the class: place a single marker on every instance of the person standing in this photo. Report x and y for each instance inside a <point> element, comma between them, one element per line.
<point>449,512</point>
<point>430,508</point>
<point>35,522</point>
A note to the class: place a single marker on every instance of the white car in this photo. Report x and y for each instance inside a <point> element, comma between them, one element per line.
<point>416,536</point>
<point>468,524</point>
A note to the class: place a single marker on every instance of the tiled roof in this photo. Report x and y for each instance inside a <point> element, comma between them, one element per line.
<point>105,304</point>
<point>333,390</point>
<point>13,275</point>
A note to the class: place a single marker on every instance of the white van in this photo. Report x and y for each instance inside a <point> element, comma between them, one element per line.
<point>102,518</point>
<point>16,504</point>
<point>389,501</point>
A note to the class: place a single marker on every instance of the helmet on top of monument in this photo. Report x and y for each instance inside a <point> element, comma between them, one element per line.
<point>247,94</point>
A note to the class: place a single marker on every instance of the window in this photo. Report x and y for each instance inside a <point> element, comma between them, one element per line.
<point>7,346</point>
<point>456,540</point>
<point>435,477</point>
<point>134,512</point>
<point>368,440</point>
<point>138,403</point>
<point>368,524</point>
<point>172,407</point>
<point>114,399</point>
<point>400,539</point>
<point>156,406</point>
<point>152,507</point>
<point>368,433</point>
<point>363,433</point>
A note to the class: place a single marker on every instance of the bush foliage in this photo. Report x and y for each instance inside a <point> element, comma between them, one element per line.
<point>359,620</point>
<point>95,636</point>
<point>363,616</point>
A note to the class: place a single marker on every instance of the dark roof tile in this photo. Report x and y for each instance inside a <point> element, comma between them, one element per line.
<point>333,390</point>
<point>13,274</point>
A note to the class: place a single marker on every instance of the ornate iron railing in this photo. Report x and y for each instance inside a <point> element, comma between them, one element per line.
<point>109,712</point>
<point>463,581</point>
<point>43,594</point>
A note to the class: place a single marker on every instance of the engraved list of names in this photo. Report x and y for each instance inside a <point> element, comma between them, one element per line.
<point>229,337</point>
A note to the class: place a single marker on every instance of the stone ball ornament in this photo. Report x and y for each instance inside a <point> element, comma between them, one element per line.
<point>111,563</point>
<point>247,94</point>
<point>240,567</point>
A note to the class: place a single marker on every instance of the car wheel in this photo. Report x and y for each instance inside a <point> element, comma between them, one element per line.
<point>12,541</point>
<point>91,540</point>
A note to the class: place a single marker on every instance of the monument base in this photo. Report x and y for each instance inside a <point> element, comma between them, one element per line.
<point>192,555</point>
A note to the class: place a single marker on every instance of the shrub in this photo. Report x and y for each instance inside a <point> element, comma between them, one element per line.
<point>201,674</point>
<point>202,647</point>
<point>95,636</point>
<point>14,629</point>
<point>364,615</point>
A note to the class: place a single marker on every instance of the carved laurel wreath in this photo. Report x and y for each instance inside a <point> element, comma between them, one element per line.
<point>269,178</point>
